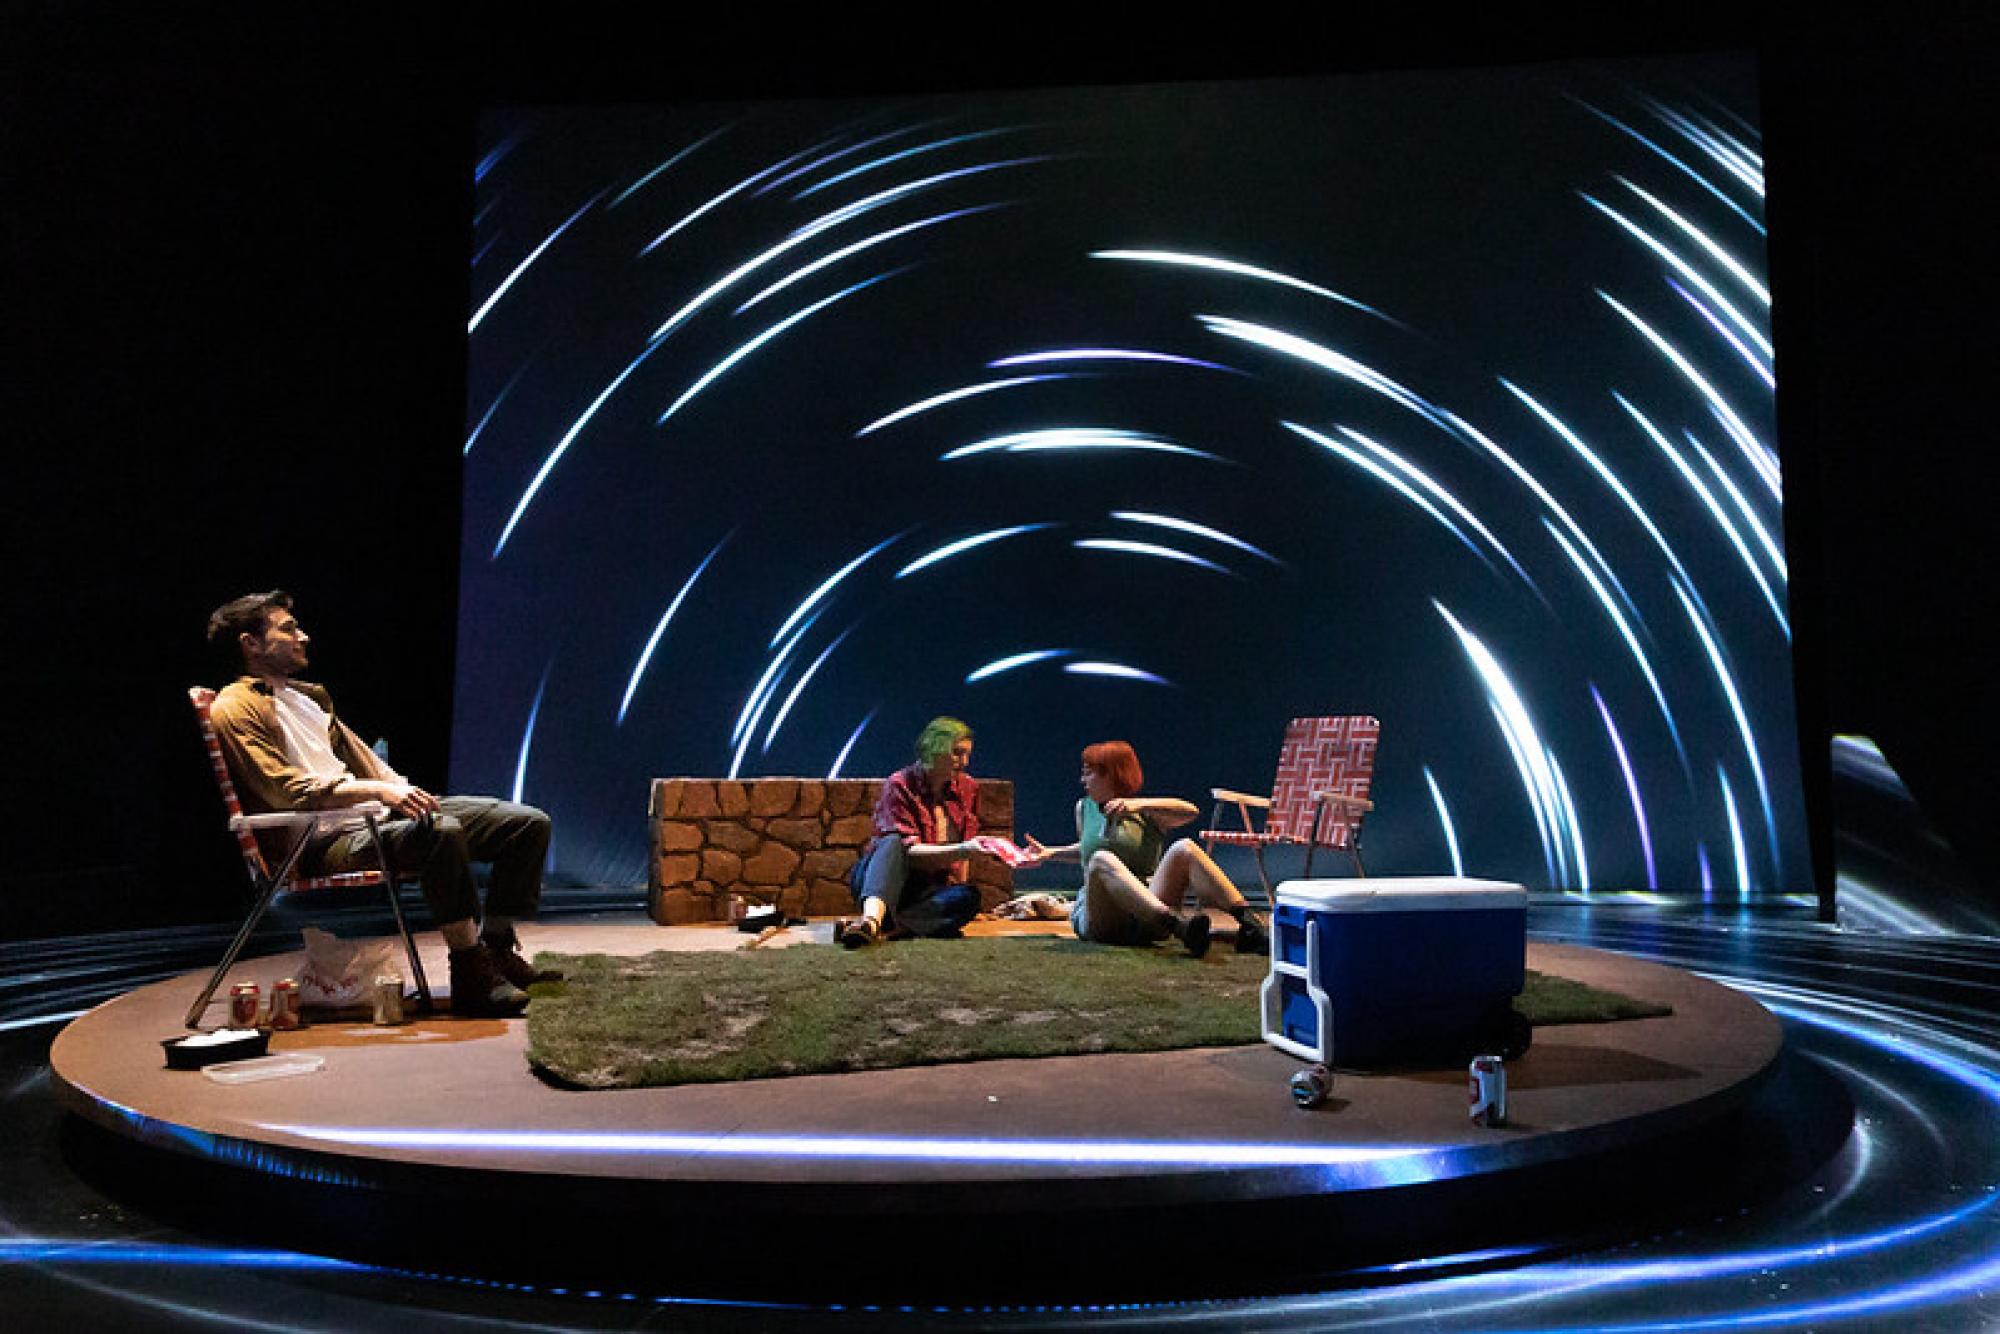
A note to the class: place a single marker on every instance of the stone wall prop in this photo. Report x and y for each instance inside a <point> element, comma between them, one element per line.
<point>788,842</point>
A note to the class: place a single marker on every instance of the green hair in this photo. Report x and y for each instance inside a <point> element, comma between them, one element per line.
<point>938,737</point>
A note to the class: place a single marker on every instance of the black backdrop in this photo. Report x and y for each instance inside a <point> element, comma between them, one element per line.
<point>234,247</point>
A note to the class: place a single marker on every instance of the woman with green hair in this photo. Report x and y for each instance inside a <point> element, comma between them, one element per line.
<point>911,880</point>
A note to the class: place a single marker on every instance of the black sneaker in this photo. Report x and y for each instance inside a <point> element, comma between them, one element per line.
<point>1252,936</point>
<point>506,951</point>
<point>479,989</point>
<point>1193,931</point>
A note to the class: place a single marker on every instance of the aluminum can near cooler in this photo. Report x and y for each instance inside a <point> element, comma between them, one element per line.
<point>285,1004</point>
<point>1311,1086</point>
<point>388,995</point>
<point>244,1005</point>
<point>1487,1091</point>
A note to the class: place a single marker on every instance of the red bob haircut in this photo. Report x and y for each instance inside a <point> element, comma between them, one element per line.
<point>1115,760</point>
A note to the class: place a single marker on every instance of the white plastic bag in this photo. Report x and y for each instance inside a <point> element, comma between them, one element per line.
<point>339,973</point>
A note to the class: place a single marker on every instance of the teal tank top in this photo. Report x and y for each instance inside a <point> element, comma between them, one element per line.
<point>1132,839</point>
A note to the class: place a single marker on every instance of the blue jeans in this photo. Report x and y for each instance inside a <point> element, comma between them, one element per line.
<point>919,908</point>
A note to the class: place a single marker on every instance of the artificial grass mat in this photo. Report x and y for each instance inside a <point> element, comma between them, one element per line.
<point>679,1017</point>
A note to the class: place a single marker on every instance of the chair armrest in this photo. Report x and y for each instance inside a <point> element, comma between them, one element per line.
<point>1240,798</point>
<point>1342,799</point>
<point>312,821</point>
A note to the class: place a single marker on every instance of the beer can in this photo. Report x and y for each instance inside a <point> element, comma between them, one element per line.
<point>1488,1091</point>
<point>1312,1085</point>
<point>244,1005</point>
<point>285,1003</point>
<point>388,994</point>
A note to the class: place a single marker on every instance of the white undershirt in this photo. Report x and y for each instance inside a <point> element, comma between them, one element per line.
<point>307,730</point>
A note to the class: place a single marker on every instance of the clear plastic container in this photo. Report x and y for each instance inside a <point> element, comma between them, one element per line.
<point>281,1066</point>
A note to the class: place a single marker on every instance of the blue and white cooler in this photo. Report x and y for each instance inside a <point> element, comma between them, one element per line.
<point>1371,972</point>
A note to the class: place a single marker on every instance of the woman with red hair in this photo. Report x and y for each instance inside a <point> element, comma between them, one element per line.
<point>1134,885</point>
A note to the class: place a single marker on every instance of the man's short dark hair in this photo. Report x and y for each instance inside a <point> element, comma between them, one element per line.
<point>242,616</point>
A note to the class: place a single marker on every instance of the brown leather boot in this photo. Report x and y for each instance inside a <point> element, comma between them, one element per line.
<point>479,989</point>
<point>505,947</point>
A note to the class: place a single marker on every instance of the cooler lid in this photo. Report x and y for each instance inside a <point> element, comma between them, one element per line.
<point>1442,893</point>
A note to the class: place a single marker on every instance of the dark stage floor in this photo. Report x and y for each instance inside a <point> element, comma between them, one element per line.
<point>1899,1225</point>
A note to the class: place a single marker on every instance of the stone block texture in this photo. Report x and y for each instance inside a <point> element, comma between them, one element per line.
<point>784,841</point>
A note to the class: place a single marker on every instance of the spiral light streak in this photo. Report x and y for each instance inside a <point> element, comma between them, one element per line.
<point>847,748</point>
<point>865,243</point>
<point>1625,633</point>
<point>1742,857</point>
<point>832,156</point>
<point>1572,823</point>
<point>1149,549</point>
<point>951,397</point>
<point>816,228</point>
<point>1443,496</point>
<point>1697,177</point>
<point>724,366</point>
<point>1604,473</point>
<point>1313,354</point>
<point>1116,670</point>
<point>1714,248</point>
<point>1524,767</point>
<point>753,703</point>
<point>1012,661</point>
<point>653,640</point>
<point>1541,779</point>
<point>1763,460</point>
<point>1720,406</point>
<point>1104,354</point>
<point>1444,821</point>
<point>665,166</point>
<point>1686,270</point>
<point>1735,701</point>
<point>1388,479</point>
<point>493,407</point>
<point>805,678</point>
<point>1235,269</point>
<point>905,155</point>
<point>1725,155</point>
<point>716,202</point>
<point>1072,437</point>
<point>1713,506</point>
<point>495,156</point>
<point>528,739</point>
<point>963,544</point>
<point>1197,530</point>
<point>833,581</point>
<point>1631,787</point>
<point>472,325</point>
<point>1464,430</point>
<point>1751,519</point>
<point>1719,140</point>
<point>562,447</point>
<point>758,701</point>
<point>1757,365</point>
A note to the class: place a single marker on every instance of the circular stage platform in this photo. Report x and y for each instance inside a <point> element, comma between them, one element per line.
<point>435,1144</point>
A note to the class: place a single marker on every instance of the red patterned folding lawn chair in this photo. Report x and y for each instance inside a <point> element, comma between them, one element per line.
<point>1318,798</point>
<point>296,828</point>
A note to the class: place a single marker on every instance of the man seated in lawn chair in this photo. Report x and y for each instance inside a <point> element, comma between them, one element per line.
<point>911,879</point>
<point>287,750</point>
